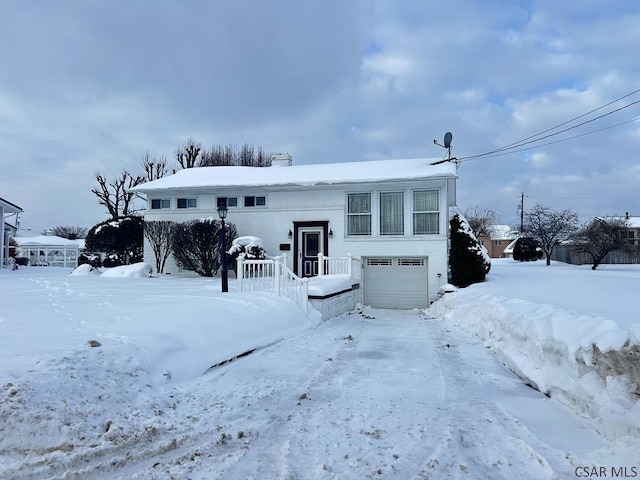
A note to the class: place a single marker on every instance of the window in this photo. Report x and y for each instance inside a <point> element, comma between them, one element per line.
<point>255,201</point>
<point>187,203</point>
<point>227,202</point>
<point>497,243</point>
<point>426,216</point>
<point>392,213</point>
<point>411,262</point>
<point>359,214</point>
<point>158,203</point>
<point>380,262</point>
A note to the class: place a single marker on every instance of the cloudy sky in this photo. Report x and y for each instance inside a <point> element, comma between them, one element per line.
<point>92,86</point>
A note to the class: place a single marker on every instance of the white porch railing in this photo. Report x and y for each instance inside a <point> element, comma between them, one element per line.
<point>272,275</point>
<point>333,266</point>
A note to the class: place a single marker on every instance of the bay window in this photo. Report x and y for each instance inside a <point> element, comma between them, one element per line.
<point>426,216</point>
<point>392,213</point>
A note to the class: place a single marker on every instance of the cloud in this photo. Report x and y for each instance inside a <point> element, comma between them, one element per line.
<point>92,86</point>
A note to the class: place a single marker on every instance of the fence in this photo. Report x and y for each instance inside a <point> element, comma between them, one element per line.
<point>570,254</point>
<point>272,275</point>
<point>331,266</point>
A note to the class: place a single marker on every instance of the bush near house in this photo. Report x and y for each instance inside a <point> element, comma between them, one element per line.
<point>251,248</point>
<point>121,240</point>
<point>196,245</point>
<point>468,259</point>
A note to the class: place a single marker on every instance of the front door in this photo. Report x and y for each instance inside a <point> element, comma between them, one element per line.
<point>311,243</point>
<point>311,240</point>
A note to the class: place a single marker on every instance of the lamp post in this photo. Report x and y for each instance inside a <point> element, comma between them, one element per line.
<point>222,213</point>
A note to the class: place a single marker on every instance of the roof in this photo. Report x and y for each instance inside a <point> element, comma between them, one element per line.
<point>632,222</point>
<point>9,207</point>
<point>46,241</point>
<point>503,232</point>
<point>301,175</point>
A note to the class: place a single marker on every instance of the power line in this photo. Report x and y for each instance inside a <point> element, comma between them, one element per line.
<point>533,139</point>
<point>466,159</point>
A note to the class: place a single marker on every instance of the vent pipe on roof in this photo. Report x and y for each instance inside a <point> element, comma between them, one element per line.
<point>627,215</point>
<point>281,160</point>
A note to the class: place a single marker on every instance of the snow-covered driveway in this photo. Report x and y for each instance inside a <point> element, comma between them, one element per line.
<point>374,394</point>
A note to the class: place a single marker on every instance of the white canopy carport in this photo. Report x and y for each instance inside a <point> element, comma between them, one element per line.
<point>49,250</point>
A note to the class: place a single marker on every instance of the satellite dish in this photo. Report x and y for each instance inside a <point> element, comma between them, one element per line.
<point>448,137</point>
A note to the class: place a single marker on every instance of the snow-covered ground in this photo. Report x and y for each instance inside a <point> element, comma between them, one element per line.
<point>110,377</point>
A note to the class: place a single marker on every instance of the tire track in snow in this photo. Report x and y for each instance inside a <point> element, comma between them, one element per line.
<point>397,396</point>
<point>478,437</point>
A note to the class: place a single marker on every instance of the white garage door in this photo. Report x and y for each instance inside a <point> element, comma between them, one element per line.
<point>395,282</point>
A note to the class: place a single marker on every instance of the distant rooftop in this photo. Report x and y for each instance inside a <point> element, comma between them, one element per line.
<point>46,240</point>
<point>503,232</point>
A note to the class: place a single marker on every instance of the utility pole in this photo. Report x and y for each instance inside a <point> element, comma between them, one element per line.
<point>522,213</point>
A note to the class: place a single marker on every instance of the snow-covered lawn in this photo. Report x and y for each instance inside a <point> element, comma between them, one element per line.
<point>109,377</point>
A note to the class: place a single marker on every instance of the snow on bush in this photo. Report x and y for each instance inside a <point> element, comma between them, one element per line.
<point>469,260</point>
<point>248,247</point>
<point>137,270</point>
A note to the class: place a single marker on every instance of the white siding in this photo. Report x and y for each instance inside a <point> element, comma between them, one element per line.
<point>286,205</point>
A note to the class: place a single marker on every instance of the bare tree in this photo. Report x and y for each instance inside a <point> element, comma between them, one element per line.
<point>188,153</point>
<point>160,237</point>
<point>228,155</point>
<point>550,227</point>
<point>71,233</point>
<point>115,195</point>
<point>601,236</point>
<point>153,167</point>
<point>218,155</point>
<point>482,221</point>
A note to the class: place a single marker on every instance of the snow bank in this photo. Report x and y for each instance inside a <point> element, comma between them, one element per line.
<point>85,362</point>
<point>586,362</point>
<point>137,270</point>
<point>85,269</point>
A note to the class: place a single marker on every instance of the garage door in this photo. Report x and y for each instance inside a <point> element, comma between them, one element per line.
<point>395,282</point>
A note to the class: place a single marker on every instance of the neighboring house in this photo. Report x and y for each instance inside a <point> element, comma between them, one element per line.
<point>7,227</point>
<point>391,215</point>
<point>568,253</point>
<point>633,228</point>
<point>496,243</point>
<point>49,251</point>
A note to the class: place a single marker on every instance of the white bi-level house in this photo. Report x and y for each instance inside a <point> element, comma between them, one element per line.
<point>391,216</point>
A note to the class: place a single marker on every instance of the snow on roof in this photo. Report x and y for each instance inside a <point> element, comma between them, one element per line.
<point>503,232</point>
<point>303,175</point>
<point>45,240</point>
<point>632,222</point>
